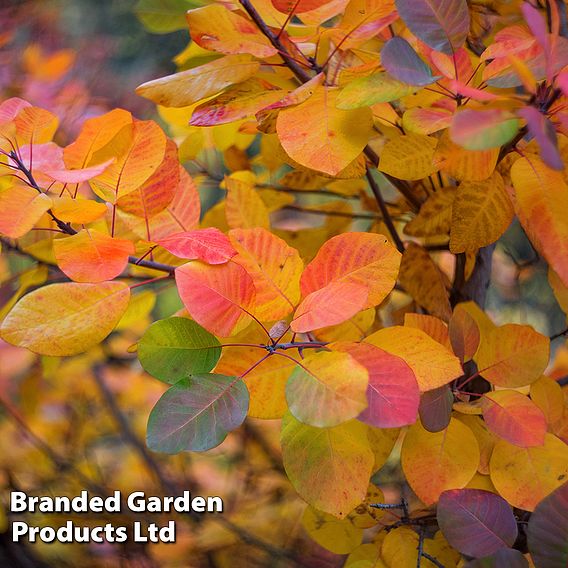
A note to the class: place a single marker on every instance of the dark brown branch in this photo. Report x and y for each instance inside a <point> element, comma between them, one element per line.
<point>292,64</point>
<point>384,210</point>
<point>367,216</point>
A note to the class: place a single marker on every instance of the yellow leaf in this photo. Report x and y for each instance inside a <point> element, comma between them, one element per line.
<point>365,556</point>
<point>541,202</point>
<point>424,281</point>
<point>65,319</point>
<point>430,325</point>
<point>318,135</point>
<point>244,208</point>
<point>382,441</point>
<point>435,215</point>
<point>33,277</point>
<point>409,157</point>
<point>482,211</point>
<point>340,536</point>
<point>78,210</point>
<point>485,438</point>
<point>216,28</point>
<point>547,394</point>
<point>329,467</point>
<point>327,389</point>
<point>433,365</point>
<point>525,476</point>
<point>512,355</point>
<point>274,267</point>
<point>400,548</point>
<point>436,461</point>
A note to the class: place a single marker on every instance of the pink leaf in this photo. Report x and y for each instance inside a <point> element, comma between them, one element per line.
<point>209,245</point>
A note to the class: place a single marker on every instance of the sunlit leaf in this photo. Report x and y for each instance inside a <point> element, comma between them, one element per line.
<point>21,207</point>
<point>372,89</point>
<point>65,319</point>
<point>92,256</point>
<point>327,389</point>
<point>483,129</point>
<point>410,156</point>
<point>209,245</point>
<point>218,297</point>
<point>514,417</point>
<point>188,87</point>
<point>244,207</point>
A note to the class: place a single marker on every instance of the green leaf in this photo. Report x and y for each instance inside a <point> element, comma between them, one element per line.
<point>197,414</point>
<point>164,16</point>
<point>375,88</point>
<point>173,348</point>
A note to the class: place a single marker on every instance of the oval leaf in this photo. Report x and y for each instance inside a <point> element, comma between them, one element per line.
<point>173,348</point>
<point>209,245</point>
<point>197,414</point>
<point>403,63</point>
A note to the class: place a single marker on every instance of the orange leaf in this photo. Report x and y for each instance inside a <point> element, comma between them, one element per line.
<point>541,204</point>
<point>218,297</point>
<point>21,207</point>
<point>77,210</point>
<point>318,135</point>
<point>90,256</point>
<point>244,208</point>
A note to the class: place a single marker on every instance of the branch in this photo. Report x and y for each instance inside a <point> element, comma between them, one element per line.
<point>291,63</point>
<point>384,210</point>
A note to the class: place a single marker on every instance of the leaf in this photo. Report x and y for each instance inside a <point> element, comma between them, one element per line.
<point>365,556</point>
<point>435,215</point>
<point>209,245</point>
<point>482,212</point>
<point>426,120</point>
<point>266,382</point>
<point>475,522</point>
<point>363,258</point>
<point>435,462</point>
<point>464,333</point>
<point>433,365</point>
<point>548,530</point>
<point>35,125</point>
<point>158,191</point>
<point>546,393</point>
<point>218,297</point>
<point>65,319</point>
<point>318,135</point>
<point>512,355</point>
<point>484,437</point>
<point>189,87</point>
<point>441,24</point>
<point>298,6</point>
<point>508,557</point>
<point>541,198</point>
<point>215,28</point>
<point>96,134</point>
<point>543,131</point>
<point>237,102</point>
<point>483,129</point>
<point>91,256</point>
<point>274,267</point>
<point>78,210</point>
<point>197,414</point>
<point>392,392</point>
<point>423,280</point>
<point>335,303</point>
<point>436,408</point>
<point>329,467</point>
<point>409,157</point>
<point>514,417</point>
<point>403,63</point>
<point>339,536</point>
<point>79,175</point>
<point>134,165</point>
<point>372,89</point>
<point>327,389</point>
<point>173,348</point>
<point>430,325</point>
<point>244,208</point>
<point>21,207</point>
<point>525,476</point>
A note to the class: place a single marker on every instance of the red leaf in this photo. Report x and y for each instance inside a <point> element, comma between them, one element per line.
<point>209,245</point>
